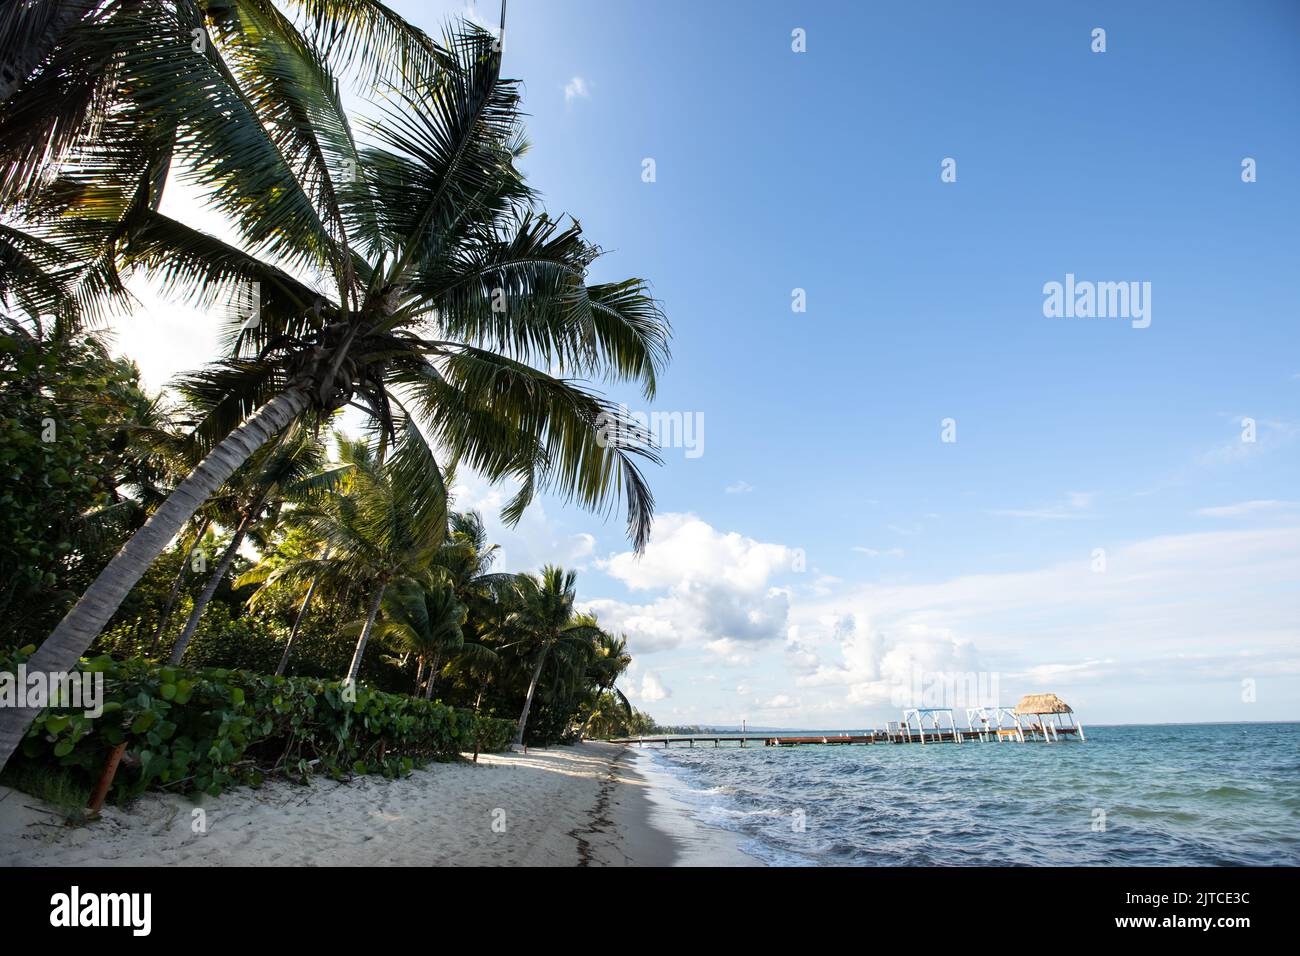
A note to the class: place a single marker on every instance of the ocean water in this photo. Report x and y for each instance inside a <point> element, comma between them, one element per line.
<point>1198,795</point>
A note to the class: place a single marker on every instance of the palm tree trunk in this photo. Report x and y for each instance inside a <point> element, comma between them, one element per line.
<point>582,731</point>
<point>528,700</point>
<point>433,673</point>
<point>81,625</point>
<point>355,668</point>
<point>419,676</point>
<point>175,591</point>
<point>297,621</point>
<point>209,589</point>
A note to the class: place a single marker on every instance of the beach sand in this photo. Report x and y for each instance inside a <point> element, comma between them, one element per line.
<point>566,806</point>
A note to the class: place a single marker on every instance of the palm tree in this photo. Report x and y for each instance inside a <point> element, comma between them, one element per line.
<point>174,594</point>
<point>297,622</point>
<point>543,626</point>
<point>465,561</point>
<point>384,531</point>
<point>292,469</point>
<point>609,660</point>
<point>298,539</point>
<point>428,622</point>
<point>446,288</point>
<point>77,75</point>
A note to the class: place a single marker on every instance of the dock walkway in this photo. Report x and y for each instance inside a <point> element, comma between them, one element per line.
<point>902,736</point>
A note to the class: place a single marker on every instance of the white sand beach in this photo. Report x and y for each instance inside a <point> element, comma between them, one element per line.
<point>566,806</point>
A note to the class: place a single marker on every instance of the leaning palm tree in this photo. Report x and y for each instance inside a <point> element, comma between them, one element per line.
<point>442,291</point>
<point>543,627</point>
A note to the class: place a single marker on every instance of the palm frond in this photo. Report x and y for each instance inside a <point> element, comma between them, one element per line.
<point>382,45</point>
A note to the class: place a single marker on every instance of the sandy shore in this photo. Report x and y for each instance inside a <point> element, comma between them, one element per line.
<point>568,806</point>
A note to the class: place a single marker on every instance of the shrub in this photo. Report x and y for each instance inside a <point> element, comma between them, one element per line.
<point>494,734</point>
<point>241,642</point>
<point>204,730</point>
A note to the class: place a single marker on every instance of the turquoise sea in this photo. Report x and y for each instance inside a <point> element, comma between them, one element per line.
<point>1162,795</point>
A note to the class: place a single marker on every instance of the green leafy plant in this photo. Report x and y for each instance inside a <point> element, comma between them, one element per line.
<point>205,730</point>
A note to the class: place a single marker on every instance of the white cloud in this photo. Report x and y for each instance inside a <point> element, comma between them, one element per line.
<point>1054,674</point>
<point>535,540</point>
<point>649,628</point>
<point>731,651</point>
<point>874,669</point>
<point>470,11</point>
<point>576,88</point>
<point>581,545</point>
<point>1247,507</point>
<point>1073,506</point>
<point>651,689</point>
<point>824,583</point>
<point>1170,608</point>
<point>1269,435</point>
<point>685,552</point>
<point>739,488</point>
<point>718,591</point>
<point>800,655</point>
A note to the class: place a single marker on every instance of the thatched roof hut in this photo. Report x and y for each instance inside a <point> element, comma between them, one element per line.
<point>1042,704</point>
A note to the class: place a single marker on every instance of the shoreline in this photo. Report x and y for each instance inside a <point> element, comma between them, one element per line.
<point>593,804</point>
<point>655,829</point>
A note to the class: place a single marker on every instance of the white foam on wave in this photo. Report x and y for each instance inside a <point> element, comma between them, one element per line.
<point>673,810</point>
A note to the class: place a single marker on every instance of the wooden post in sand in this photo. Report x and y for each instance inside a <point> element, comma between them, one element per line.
<point>106,778</point>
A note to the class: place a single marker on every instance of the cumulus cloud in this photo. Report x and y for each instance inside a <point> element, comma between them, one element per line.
<point>651,689</point>
<point>800,654</point>
<point>1172,608</point>
<point>717,590</point>
<point>730,650</point>
<point>687,552</point>
<point>824,584</point>
<point>874,669</point>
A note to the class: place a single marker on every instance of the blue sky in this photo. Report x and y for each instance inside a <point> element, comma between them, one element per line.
<point>827,546</point>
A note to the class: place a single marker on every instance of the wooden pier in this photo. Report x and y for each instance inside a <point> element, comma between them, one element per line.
<point>1037,718</point>
<point>963,735</point>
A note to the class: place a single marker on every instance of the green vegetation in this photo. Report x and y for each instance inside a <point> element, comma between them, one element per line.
<point>407,273</point>
<point>204,730</point>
